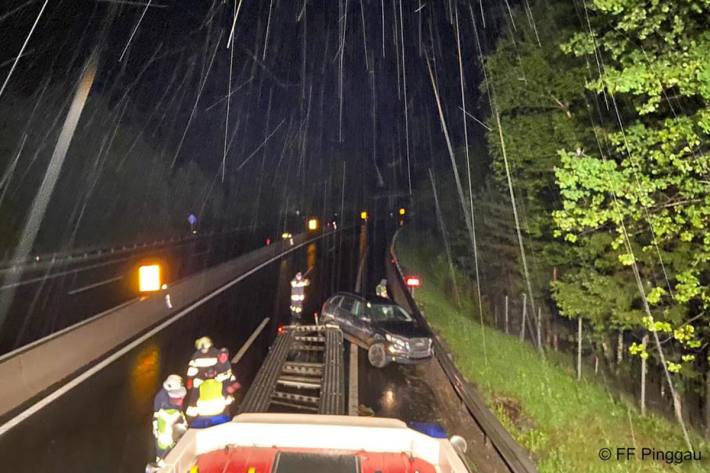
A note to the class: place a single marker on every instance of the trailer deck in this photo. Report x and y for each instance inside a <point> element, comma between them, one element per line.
<point>303,373</point>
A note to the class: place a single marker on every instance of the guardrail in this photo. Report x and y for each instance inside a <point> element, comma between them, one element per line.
<point>88,252</point>
<point>511,453</point>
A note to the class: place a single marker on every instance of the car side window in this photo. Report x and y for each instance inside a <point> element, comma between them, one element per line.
<point>351,305</point>
<point>346,303</point>
<point>335,302</point>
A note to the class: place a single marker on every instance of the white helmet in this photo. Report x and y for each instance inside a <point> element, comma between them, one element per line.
<point>205,342</point>
<point>173,385</point>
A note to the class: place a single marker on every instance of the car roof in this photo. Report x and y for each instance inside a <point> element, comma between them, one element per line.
<point>368,298</point>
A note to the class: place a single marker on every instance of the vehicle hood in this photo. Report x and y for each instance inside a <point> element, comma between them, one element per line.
<point>403,329</point>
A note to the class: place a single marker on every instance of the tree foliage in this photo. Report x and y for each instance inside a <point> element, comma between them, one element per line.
<point>647,185</point>
<point>537,92</point>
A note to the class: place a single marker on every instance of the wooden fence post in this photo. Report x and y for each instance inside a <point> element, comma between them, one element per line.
<point>525,314</point>
<point>579,348</point>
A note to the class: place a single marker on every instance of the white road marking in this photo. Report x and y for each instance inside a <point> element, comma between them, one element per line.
<point>53,396</point>
<point>249,341</point>
<point>96,284</point>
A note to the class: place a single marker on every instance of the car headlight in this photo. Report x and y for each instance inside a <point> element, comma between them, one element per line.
<point>397,341</point>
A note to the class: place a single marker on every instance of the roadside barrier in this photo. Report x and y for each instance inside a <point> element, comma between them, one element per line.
<point>513,455</point>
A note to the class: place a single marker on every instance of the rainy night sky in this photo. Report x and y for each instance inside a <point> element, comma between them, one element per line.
<point>262,105</point>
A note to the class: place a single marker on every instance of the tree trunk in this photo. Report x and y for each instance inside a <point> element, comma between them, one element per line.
<point>608,357</point>
<point>506,314</point>
<point>556,341</point>
<point>644,343</point>
<point>707,404</point>
<point>677,404</point>
<point>619,349</point>
<point>525,315</point>
<point>663,391</point>
<point>539,329</point>
<point>579,348</point>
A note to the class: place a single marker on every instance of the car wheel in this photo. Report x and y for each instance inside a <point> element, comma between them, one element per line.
<point>377,356</point>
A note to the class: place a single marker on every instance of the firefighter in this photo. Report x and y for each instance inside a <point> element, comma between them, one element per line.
<point>298,293</point>
<point>225,375</point>
<point>202,368</point>
<point>381,289</point>
<point>169,422</point>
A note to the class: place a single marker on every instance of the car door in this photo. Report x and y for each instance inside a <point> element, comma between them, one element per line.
<point>359,325</point>
<point>346,314</point>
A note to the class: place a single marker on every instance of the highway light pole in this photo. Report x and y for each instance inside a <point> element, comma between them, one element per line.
<point>51,175</point>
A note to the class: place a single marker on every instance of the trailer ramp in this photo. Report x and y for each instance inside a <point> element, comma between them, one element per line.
<point>303,372</point>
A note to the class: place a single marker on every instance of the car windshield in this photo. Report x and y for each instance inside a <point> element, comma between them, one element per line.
<point>387,313</point>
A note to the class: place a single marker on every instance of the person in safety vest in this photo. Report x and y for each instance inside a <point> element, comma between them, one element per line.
<point>381,289</point>
<point>169,422</point>
<point>205,391</point>
<point>298,293</point>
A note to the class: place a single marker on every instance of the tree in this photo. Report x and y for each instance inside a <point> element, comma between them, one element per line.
<point>647,186</point>
<point>537,92</point>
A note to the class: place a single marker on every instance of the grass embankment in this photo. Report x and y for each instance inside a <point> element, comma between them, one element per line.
<point>564,423</point>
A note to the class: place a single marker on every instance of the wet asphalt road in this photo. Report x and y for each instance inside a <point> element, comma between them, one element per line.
<point>397,391</point>
<point>104,424</point>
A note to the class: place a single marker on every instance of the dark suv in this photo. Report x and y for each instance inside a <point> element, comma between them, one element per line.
<point>387,331</point>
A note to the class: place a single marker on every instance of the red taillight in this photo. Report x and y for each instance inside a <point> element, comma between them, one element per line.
<point>281,329</point>
<point>412,281</point>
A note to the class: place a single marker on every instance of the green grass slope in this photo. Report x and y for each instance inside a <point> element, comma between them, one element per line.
<point>564,423</point>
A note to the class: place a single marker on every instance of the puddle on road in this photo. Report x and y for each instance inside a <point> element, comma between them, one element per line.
<point>397,391</point>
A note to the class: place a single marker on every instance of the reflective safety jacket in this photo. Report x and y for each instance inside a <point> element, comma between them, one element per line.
<point>168,421</point>
<point>211,401</point>
<point>202,366</point>
<point>298,289</point>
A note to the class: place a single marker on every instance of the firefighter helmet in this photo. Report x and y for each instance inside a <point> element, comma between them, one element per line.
<point>173,385</point>
<point>203,342</point>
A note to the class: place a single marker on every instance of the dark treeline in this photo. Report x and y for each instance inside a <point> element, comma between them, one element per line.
<point>116,188</point>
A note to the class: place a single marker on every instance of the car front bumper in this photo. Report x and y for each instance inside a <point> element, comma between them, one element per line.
<point>405,360</point>
<point>408,356</point>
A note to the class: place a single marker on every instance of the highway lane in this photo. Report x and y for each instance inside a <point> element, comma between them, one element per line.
<point>51,297</point>
<point>399,391</point>
<point>104,423</point>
